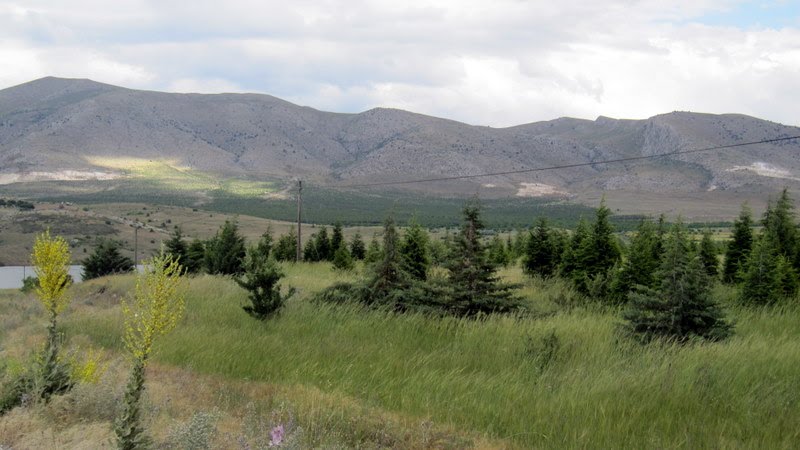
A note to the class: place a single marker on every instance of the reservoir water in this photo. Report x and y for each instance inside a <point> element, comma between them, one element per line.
<point>11,276</point>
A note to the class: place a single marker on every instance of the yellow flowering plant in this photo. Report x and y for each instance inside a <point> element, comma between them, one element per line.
<point>51,259</point>
<point>155,309</point>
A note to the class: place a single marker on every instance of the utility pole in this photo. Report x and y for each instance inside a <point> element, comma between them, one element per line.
<point>299,254</point>
<point>136,244</point>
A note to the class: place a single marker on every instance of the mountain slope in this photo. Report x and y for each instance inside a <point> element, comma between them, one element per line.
<point>63,127</point>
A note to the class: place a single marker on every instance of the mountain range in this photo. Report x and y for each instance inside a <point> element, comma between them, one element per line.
<point>56,128</point>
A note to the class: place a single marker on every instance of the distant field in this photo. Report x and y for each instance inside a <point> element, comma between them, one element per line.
<point>321,205</point>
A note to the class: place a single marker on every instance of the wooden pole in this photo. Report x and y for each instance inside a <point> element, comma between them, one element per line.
<point>299,255</point>
<point>135,245</point>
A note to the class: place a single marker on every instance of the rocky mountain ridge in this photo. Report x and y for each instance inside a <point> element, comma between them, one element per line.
<point>56,128</point>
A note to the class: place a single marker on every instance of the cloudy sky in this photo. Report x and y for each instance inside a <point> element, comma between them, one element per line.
<point>487,62</point>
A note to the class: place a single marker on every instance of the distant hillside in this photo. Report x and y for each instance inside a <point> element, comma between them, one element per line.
<point>56,128</point>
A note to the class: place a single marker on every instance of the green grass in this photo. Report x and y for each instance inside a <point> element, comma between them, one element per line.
<point>562,378</point>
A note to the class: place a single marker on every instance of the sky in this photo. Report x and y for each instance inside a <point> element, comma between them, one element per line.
<point>489,62</point>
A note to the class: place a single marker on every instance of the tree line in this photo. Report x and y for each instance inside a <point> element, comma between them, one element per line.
<point>659,275</point>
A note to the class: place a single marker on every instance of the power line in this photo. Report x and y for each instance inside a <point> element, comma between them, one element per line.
<point>569,166</point>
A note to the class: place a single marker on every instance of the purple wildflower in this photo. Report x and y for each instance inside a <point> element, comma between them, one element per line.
<point>276,436</point>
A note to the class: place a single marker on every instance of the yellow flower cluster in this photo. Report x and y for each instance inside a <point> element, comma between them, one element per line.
<point>50,259</point>
<point>156,307</point>
<point>88,370</point>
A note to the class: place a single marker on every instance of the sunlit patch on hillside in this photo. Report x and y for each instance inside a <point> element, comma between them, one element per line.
<point>171,174</point>
<point>765,170</point>
<point>539,190</point>
<point>57,175</point>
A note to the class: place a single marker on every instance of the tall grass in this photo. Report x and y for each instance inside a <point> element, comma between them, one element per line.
<point>562,378</point>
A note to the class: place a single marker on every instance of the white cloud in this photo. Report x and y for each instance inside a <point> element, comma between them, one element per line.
<point>500,63</point>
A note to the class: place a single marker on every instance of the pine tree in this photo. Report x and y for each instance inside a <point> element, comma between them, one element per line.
<point>195,256</point>
<point>498,252</point>
<point>543,253</point>
<point>264,245</point>
<point>681,308</point>
<point>177,247</point>
<point>387,273</point>
<point>357,247</point>
<point>708,255</point>
<point>226,251</point>
<point>475,287</point>
<point>640,266</point>
<point>310,253</point>
<point>601,252</point>
<point>738,247</point>
<point>106,260</point>
<point>343,260</point>
<point>597,256</point>
<point>779,223</point>
<point>414,251</point>
<point>323,245</point>
<point>762,280</point>
<point>286,248</point>
<point>337,238</point>
<point>439,251</point>
<point>570,260</point>
<point>374,252</point>
<point>520,244</point>
<point>261,279</point>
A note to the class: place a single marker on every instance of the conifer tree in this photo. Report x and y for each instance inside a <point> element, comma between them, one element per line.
<point>323,245</point>
<point>286,247</point>
<point>337,238</point>
<point>475,287</point>
<point>498,252</point>
<point>265,244</point>
<point>388,274</point>
<point>374,252</point>
<point>343,260</point>
<point>106,260</point>
<point>779,223</point>
<point>357,247</point>
<point>439,251</point>
<point>640,266</point>
<point>738,247</point>
<point>195,256</point>
<point>681,308</point>
<point>542,254</point>
<point>310,253</point>
<point>520,243</point>
<point>177,247</point>
<point>261,279</point>
<point>597,256</point>
<point>225,252</point>
<point>708,255</point>
<point>762,280</point>
<point>414,251</point>
<point>570,260</point>
<point>601,252</point>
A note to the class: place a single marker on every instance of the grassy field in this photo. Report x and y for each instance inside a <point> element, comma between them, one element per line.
<point>559,376</point>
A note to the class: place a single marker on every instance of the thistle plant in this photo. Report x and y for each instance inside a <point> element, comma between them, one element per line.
<point>155,309</point>
<point>50,259</point>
